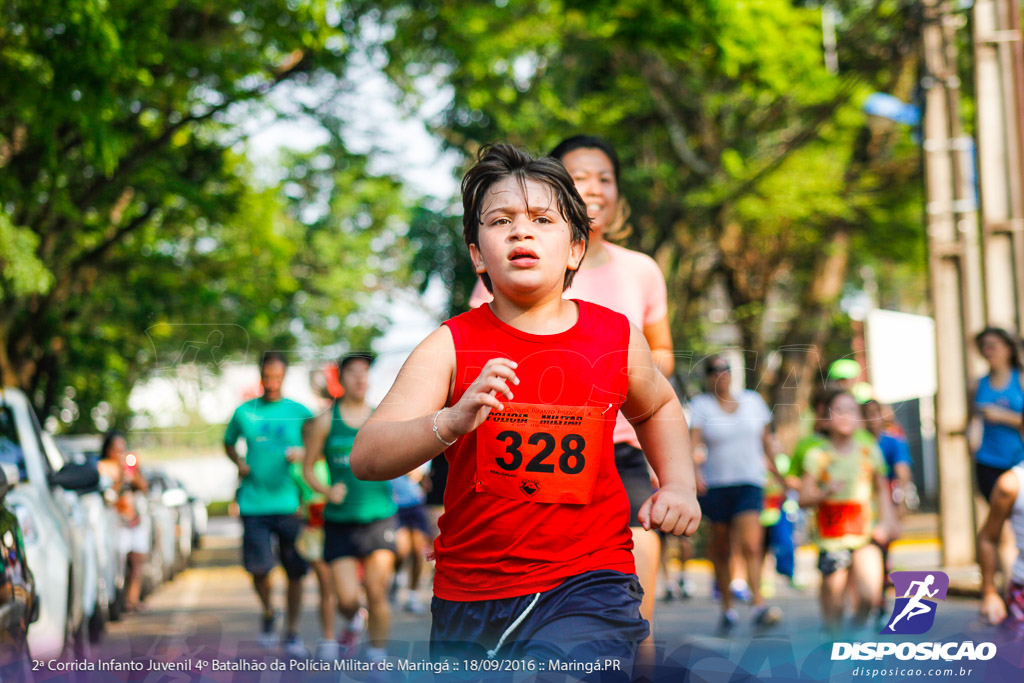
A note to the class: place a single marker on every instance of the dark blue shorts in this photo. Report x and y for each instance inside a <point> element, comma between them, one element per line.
<point>722,503</point>
<point>415,517</point>
<point>258,535</point>
<point>987,476</point>
<point>590,617</point>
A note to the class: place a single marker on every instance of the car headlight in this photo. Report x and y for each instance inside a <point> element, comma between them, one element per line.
<point>29,530</point>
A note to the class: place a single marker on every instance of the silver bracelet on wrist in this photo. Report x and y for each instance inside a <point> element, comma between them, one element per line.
<point>438,434</point>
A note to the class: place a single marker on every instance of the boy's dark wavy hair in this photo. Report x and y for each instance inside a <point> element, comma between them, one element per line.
<point>496,162</point>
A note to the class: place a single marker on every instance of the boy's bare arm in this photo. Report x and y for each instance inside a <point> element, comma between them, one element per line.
<point>659,338</point>
<point>699,454</point>
<point>400,435</point>
<point>654,411</point>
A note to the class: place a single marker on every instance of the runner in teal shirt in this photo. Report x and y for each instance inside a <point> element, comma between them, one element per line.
<point>268,496</point>
<point>270,429</point>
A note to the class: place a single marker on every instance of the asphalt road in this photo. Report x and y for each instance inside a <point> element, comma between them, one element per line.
<point>206,620</point>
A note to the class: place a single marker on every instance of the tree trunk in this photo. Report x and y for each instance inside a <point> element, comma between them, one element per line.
<point>8,376</point>
<point>801,370</point>
<point>747,271</point>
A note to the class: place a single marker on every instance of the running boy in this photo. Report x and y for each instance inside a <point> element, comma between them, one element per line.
<point>534,555</point>
<point>843,478</point>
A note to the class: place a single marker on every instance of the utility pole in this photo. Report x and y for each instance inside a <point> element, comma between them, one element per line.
<point>955,272</point>
<point>999,84</point>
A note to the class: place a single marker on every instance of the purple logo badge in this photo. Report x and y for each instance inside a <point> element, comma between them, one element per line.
<point>916,596</point>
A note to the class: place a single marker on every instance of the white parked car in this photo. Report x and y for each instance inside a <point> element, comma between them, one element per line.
<point>164,549</point>
<point>175,498</point>
<point>200,520</point>
<point>107,568</point>
<point>83,535</point>
<point>55,550</point>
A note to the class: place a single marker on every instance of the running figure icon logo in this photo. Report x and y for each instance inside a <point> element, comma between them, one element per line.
<point>914,612</point>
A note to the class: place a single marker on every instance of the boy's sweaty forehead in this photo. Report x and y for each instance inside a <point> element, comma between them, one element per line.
<point>512,194</point>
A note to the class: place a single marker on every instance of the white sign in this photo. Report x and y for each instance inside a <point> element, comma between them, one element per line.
<point>901,355</point>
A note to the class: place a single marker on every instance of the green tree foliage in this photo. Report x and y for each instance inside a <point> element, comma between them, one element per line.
<point>748,165</point>
<point>132,238</point>
<point>438,248</point>
<point>355,225</point>
<point>211,293</point>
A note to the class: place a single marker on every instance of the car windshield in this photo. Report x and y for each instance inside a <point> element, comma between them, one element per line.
<point>10,445</point>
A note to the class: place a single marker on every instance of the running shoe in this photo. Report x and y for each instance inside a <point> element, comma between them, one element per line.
<point>349,639</point>
<point>414,606</point>
<point>376,654</point>
<point>327,650</point>
<point>294,647</point>
<point>268,637</point>
<point>797,584</point>
<point>740,590</point>
<point>672,592</point>
<point>881,616</point>
<point>766,616</point>
<point>728,622</point>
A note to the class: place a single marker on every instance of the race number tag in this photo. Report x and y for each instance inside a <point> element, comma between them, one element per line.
<point>540,453</point>
<point>841,518</point>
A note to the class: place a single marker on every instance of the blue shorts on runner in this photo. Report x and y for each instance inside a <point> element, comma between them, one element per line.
<point>590,617</point>
<point>258,535</point>
<point>720,504</point>
<point>415,517</point>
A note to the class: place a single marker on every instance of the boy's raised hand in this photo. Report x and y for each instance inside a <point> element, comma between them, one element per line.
<point>480,398</point>
<point>672,509</point>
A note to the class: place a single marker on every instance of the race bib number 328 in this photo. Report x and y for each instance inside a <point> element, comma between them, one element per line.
<point>540,453</point>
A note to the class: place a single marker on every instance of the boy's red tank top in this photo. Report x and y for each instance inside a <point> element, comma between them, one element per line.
<point>493,547</point>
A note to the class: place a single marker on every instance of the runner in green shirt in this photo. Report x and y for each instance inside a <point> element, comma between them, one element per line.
<point>359,526</point>
<point>268,497</point>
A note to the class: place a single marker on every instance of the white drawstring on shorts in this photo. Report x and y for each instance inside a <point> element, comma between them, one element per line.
<point>491,654</point>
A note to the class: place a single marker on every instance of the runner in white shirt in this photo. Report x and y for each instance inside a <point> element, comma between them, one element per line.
<point>735,431</point>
